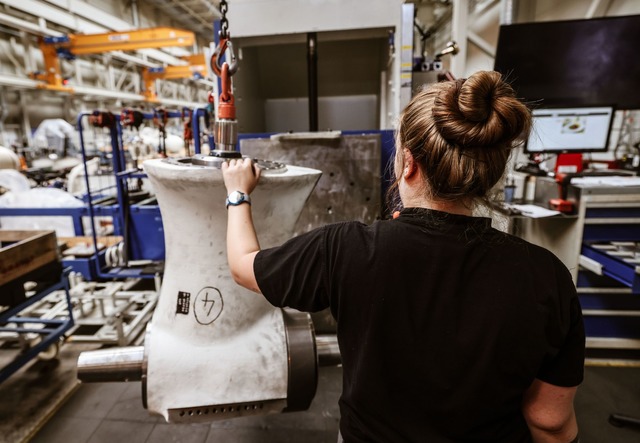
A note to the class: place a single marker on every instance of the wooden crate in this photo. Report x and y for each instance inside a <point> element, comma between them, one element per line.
<point>24,251</point>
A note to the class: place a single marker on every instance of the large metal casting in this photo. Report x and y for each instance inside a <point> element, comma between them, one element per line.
<point>213,349</point>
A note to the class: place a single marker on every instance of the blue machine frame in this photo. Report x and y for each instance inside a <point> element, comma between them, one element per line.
<point>52,330</point>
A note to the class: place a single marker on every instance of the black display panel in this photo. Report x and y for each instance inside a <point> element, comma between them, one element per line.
<point>573,62</point>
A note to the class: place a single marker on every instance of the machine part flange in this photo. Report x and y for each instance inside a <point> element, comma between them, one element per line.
<point>215,159</point>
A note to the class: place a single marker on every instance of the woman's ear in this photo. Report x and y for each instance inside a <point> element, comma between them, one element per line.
<point>410,166</point>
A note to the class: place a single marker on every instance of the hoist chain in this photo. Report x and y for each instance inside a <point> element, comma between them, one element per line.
<point>224,23</point>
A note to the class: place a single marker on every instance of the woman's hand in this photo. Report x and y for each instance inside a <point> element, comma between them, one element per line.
<point>240,175</point>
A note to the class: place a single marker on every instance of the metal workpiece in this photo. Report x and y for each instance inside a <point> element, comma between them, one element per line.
<point>216,158</point>
<point>328,350</point>
<point>303,367</point>
<point>111,365</point>
<point>226,134</point>
<point>218,350</point>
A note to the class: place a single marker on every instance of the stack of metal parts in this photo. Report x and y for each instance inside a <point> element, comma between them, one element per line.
<point>109,313</point>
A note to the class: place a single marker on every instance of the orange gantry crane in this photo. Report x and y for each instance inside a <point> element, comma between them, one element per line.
<point>196,67</point>
<point>72,45</point>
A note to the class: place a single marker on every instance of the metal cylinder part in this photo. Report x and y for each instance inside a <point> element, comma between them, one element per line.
<point>113,364</point>
<point>226,134</point>
<point>303,368</point>
<point>127,363</point>
<point>328,350</point>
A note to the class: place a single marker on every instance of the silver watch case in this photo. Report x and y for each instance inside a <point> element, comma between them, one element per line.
<point>236,198</point>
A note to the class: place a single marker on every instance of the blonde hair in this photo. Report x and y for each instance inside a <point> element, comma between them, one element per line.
<point>461,133</point>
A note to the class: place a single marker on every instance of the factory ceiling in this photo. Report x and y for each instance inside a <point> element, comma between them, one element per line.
<point>195,15</point>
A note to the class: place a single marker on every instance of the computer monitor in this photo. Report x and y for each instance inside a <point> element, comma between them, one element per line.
<point>591,62</point>
<point>570,130</point>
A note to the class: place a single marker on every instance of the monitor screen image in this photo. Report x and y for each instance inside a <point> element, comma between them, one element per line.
<point>591,62</point>
<point>557,130</point>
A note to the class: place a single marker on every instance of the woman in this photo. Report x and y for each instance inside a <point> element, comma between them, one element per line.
<point>449,330</point>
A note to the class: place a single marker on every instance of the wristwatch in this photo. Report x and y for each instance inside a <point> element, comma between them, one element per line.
<point>237,198</point>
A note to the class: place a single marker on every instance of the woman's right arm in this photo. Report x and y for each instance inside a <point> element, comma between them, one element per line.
<point>548,410</point>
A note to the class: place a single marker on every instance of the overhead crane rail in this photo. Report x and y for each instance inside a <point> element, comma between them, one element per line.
<point>69,46</point>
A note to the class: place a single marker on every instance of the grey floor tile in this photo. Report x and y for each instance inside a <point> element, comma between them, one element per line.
<point>172,433</point>
<point>112,412</point>
<point>607,390</point>
<point>288,421</point>
<point>232,435</point>
<point>67,430</point>
<point>129,406</point>
<point>118,431</point>
<point>93,400</point>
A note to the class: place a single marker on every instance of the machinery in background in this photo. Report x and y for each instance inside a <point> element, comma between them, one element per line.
<point>195,68</point>
<point>108,313</point>
<point>427,70</point>
<point>52,154</point>
<point>72,45</point>
<point>9,159</point>
<point>30,256</point>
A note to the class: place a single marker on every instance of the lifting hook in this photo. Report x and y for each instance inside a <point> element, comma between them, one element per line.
<point>216,66</point>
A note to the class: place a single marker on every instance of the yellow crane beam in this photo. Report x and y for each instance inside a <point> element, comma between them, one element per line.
<point>81,44</point>
<point>196,68</point>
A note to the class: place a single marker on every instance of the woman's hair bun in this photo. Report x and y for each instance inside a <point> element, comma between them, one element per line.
<point>481,111</point>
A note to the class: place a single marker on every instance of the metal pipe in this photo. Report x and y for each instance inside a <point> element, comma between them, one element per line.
<point>4,112</point>
<point>509,12</point>
<point>328,350</point>
<point>312,76</point>
<point>134,13</point>
<point>26,125</point>
<point>114,364</point>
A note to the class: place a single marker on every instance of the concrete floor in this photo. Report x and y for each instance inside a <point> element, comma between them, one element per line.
<point>112,412</point>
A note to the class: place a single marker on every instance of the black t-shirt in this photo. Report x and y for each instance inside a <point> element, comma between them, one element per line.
<point>443,323</point>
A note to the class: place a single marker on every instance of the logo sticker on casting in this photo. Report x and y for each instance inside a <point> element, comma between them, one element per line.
<point>182,305</point>
<point>207,306</point>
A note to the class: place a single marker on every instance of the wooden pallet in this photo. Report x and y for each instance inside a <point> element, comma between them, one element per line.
<point>22,252</point>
